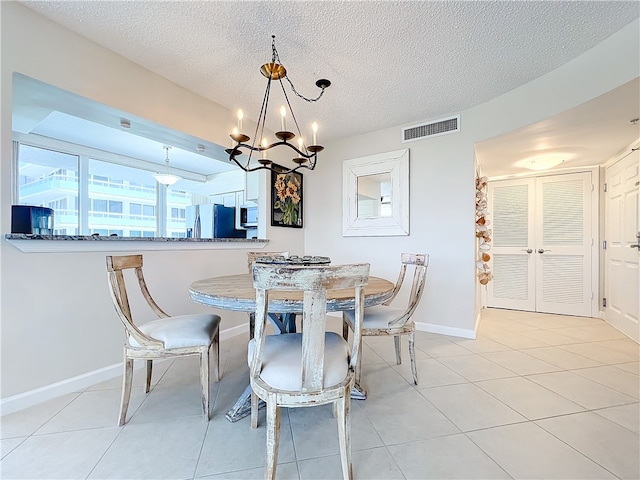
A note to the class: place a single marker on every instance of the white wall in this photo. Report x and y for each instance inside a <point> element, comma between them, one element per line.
<point>57,318</point>
<point>442,171</point>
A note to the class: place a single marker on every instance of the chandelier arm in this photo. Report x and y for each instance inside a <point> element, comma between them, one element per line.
<point>247,168</point>
<point>276,144</point>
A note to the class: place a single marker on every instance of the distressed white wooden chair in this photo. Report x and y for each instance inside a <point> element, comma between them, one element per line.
<point>388,320</point>
<point>309,368</point>
<point>168,336</point>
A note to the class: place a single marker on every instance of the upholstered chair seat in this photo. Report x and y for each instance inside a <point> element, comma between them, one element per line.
<point>181,331</point>
<point>379,316</point>
<point>282,360</point>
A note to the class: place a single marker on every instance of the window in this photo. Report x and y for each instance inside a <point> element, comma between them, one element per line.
<point>44,175</point>
<point>99,205</point>
<point>124,208</point>
<point>115,207</point>
<point>148,210</point>
<point>109,197</point>
<point>178,213</point>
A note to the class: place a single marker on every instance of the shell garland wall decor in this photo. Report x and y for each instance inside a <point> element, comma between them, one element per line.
<point>483,233</point>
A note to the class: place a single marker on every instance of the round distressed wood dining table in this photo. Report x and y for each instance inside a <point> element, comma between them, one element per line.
<point>236,292</point>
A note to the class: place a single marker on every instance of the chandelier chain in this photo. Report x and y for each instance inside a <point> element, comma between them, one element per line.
<point>276,59</point>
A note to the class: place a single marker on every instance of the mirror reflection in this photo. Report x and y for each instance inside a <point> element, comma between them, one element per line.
<point>374,195</point>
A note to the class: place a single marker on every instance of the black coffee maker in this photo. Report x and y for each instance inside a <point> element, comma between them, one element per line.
<point>31,220</point>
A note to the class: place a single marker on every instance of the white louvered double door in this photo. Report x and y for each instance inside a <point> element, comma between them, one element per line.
<point>542,244</point>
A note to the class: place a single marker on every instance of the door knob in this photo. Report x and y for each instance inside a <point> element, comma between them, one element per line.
<point>528,250</point>
<point>542,250</point>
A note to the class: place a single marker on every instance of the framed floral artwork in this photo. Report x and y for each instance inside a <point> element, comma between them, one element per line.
<point>286,198</point>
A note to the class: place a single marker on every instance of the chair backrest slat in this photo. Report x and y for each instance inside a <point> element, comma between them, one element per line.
<point>116,266</point>
<point>420,262</point>
<point>315,303</point>
<point>314,281</point>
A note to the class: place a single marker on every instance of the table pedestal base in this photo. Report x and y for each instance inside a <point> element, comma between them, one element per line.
<point>358,393</point>
<point>242,407</point>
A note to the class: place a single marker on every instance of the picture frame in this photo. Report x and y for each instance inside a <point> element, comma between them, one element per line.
<point>286,198</point>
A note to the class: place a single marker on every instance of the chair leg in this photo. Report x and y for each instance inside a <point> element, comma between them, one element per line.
<point>396,340</point>
<point>344,434</point>
<point>412,355</point>
<point>204,381</point>
<point>127,377</point>
<point>252,324</point>
<point>216,356</point>
<point>358,372</point>
<point>273,437</point>
<point>149,370</point>
<point>254,410</point>
<point>345,329</point>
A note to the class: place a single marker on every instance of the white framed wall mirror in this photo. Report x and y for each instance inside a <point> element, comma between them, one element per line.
<point>375,195</point>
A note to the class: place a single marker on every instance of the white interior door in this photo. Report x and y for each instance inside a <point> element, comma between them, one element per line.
<point>622,225</point>
<point>563,244</point>
<point>542,244</point>
<point>511,205</point>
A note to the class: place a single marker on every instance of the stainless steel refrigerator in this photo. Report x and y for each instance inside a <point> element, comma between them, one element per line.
<point>210,220</point>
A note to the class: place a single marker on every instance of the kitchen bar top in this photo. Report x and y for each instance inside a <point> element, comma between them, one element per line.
<point>77,243</point>
<point>26,236</point>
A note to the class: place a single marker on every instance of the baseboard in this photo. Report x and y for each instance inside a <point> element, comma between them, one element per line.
<point>70,385</point>
<point>451,331</point>
<point>234,331</point>
<point>441,329</point>
<point>81,382</point>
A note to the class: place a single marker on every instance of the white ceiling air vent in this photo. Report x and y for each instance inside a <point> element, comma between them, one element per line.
<point>433,129</point>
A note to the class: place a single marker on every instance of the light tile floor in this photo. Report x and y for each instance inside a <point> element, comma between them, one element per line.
<point>534,397</point>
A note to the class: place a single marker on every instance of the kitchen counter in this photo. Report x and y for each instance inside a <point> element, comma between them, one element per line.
<point>84,243</point>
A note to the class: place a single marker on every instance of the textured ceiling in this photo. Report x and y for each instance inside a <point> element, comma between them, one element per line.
<point>390,63</point>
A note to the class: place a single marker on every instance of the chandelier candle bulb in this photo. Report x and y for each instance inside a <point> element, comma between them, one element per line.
<point>314,127</point>
<point>240,115</point>
<point>300,143</point>
<point>264,146</point>
<point>283,122</point>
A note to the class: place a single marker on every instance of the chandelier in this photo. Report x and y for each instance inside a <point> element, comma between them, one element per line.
<point>305,156</point>
<point>166,177</point>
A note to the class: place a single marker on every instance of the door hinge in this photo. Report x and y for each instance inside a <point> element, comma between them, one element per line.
<point>604,187</point>
<point>604,301</point>
<point>604,244</point>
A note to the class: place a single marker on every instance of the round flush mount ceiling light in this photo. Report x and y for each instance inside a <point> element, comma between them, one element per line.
<point>541,162</point>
